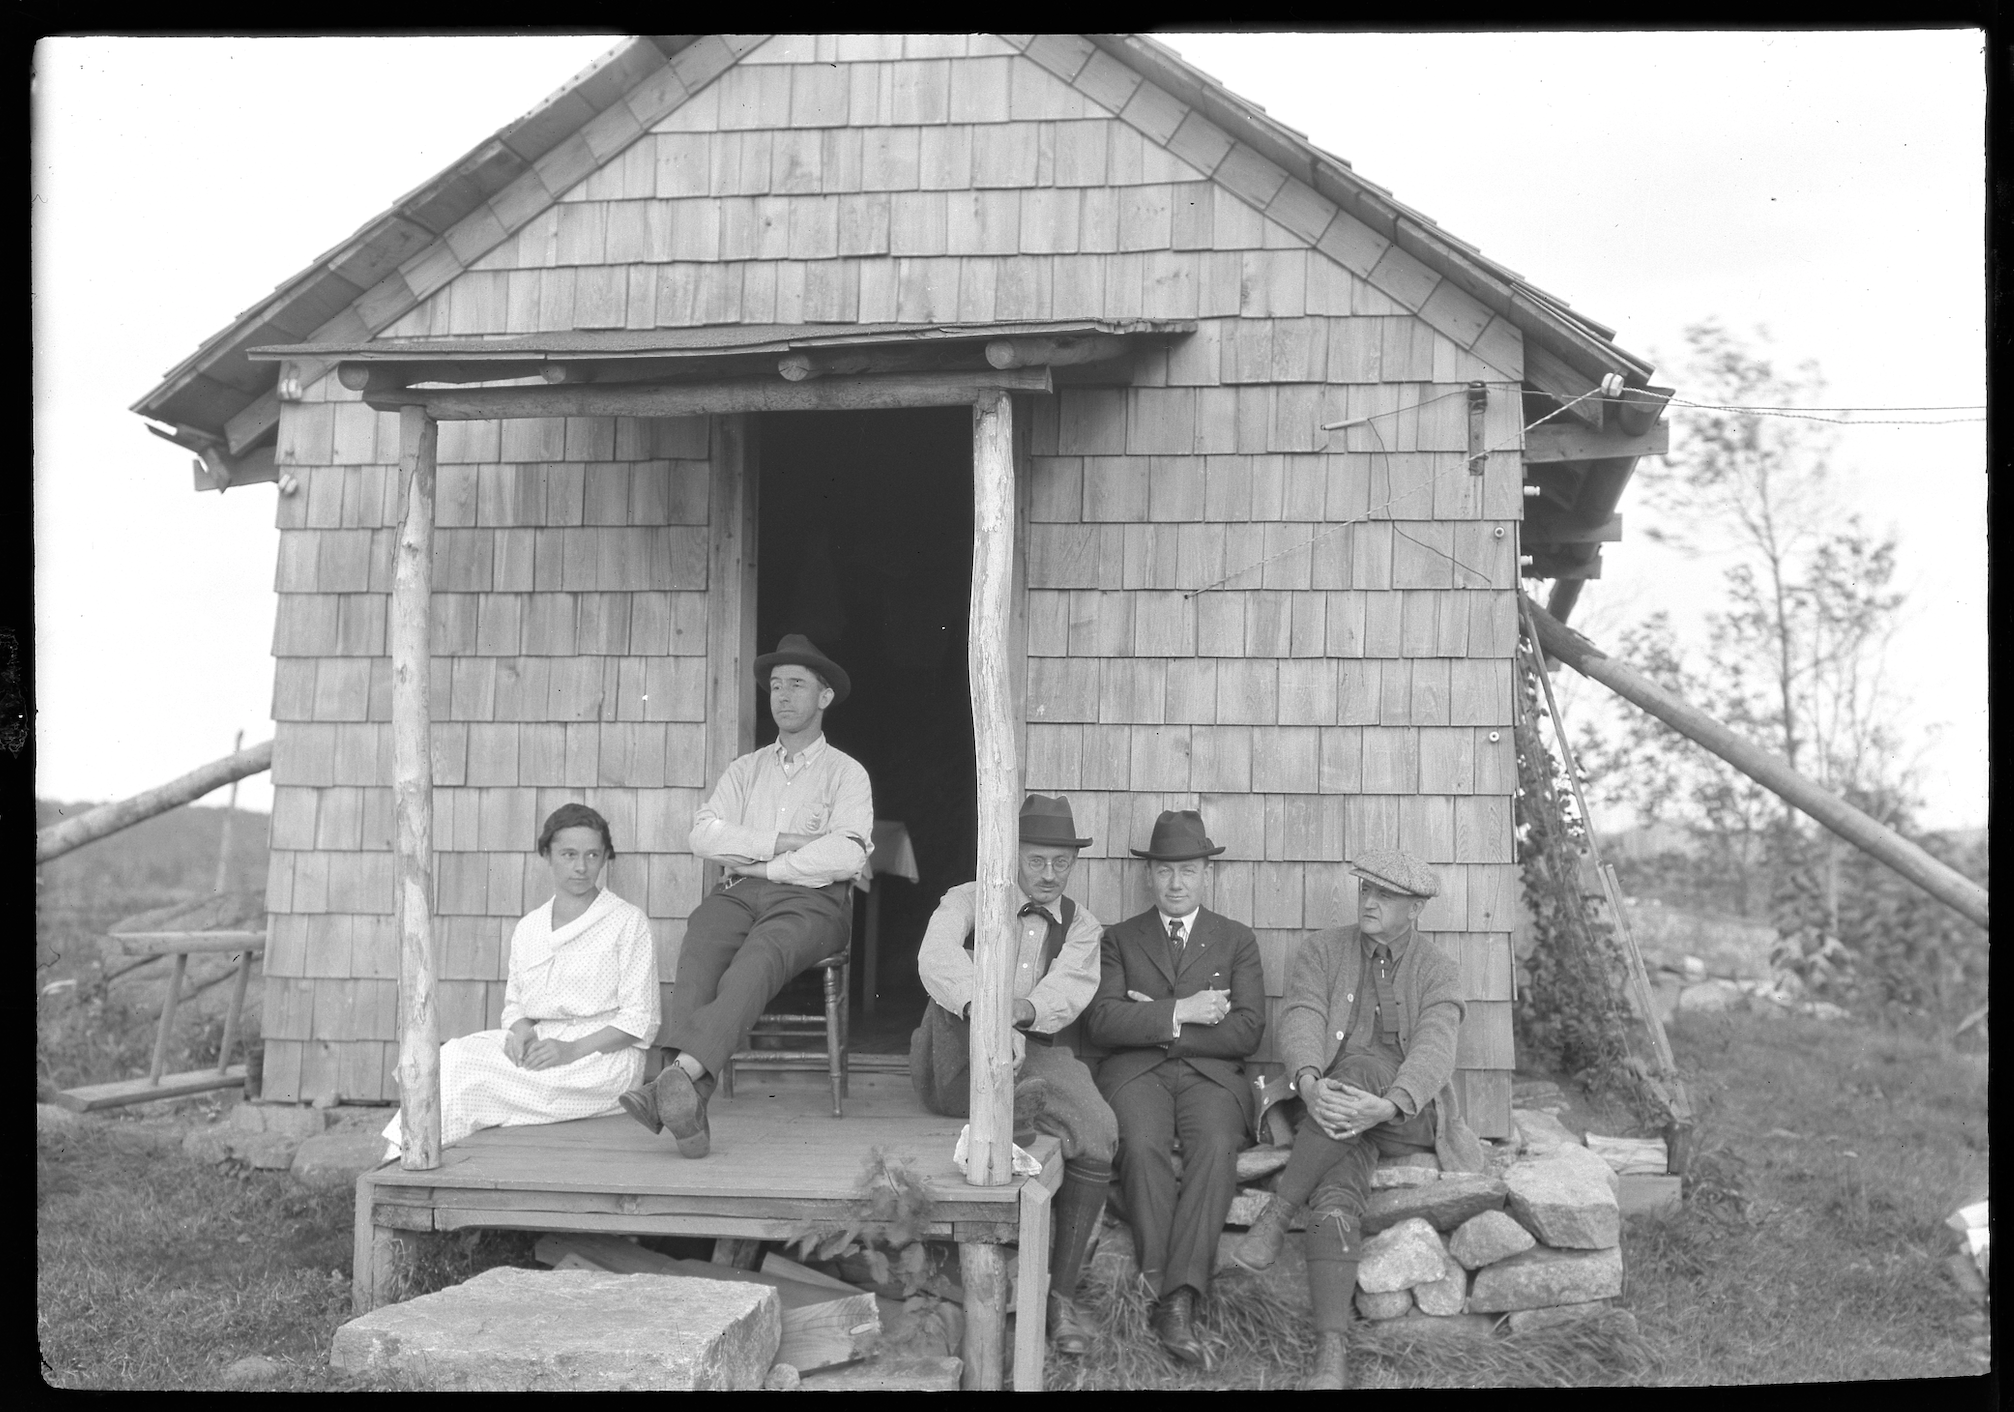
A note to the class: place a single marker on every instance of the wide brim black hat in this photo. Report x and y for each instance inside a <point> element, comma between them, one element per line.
<point>797,650</point>
<point>1178,837</point>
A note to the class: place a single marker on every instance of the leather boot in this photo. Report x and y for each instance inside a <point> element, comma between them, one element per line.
<point>1078,1204</point>
<point>1174,1326</point>
<point>1332,1364</point>
<point>1333,1245</point>
<point>1261,1245</point>
<point>680,1102</point>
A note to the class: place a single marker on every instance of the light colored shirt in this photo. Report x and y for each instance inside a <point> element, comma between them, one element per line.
<point>599,969</point>
<point>1187,924</point>
<point>1059,995</point>
<point>821,790</point>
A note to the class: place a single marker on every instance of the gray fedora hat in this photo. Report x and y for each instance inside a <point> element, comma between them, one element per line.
<point>797,650</point>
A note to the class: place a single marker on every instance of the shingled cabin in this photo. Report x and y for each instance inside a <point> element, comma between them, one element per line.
<point>702,338</point>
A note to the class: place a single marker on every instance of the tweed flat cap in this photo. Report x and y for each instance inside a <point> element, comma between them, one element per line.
<point>1396,872</point>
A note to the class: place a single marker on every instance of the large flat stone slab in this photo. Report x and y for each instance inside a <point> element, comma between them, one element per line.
<point>1541,1277</point>
<point>1443,1204</point>
<point>510,1330</point>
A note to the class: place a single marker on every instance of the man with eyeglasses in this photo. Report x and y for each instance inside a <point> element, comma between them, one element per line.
<point>1367,1028</point>
<point>1181,1004</point>
<point>1055,975</point>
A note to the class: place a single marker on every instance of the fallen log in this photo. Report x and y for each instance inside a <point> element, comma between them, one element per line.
<point>1771,771</point>
<point>58,839</point>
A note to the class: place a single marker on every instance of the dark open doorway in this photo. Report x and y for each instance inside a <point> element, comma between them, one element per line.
<point>865,546</point>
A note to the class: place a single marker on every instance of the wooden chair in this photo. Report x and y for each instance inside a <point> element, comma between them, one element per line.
<point>832,1025</point>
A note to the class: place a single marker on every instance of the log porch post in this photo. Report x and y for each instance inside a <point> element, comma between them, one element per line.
<point>413,781</point>
<point>990,1151</point>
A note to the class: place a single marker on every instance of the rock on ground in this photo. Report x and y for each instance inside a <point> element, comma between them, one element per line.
<point>1418,1324</point>
<point>1408,1254</point>
<point>1387,1304</point>
<point>1402,1175</point>
<point>1711,998</point>
<point>1444,1204</point>
<point>1542,1277</point>
<point>337,1158</point>
<point>1592,1165</point>
<point>287,1118</point>
<point>1485,1239</point>
<point>266,1152</point>
<point>1543,1134</point>
<point>250,1372</point>
<point>1447,1294</point>
<point>1565,1206</point>
<point>510,1330</point>
<point>1524,1321</point>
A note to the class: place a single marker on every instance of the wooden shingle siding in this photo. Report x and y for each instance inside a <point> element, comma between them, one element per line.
<point>1307,634</point>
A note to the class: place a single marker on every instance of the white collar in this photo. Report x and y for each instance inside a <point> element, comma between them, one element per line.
<point>809,752</point>
<point>1187,923</point>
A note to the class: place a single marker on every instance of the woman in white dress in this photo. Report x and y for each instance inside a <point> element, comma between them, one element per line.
<point>580,1007</point>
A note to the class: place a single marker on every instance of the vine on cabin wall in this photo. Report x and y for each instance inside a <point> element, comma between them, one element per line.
<point>1571,1013</point>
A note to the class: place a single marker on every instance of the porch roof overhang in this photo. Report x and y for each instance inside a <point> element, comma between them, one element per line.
<point>1095,350</point>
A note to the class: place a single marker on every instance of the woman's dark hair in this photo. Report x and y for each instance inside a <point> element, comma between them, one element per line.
<point>574,816</point>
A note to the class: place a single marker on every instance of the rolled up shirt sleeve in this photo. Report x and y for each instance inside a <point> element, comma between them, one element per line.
<point>942,962</point>
<point>1061,995</point>
<point>838,854</point>
<point>716,838</point>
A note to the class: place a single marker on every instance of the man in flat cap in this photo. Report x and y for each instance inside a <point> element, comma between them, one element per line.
<point>1181,1003</point>
<point>1367,1029</point>
<point>790,824</point>
<point>1055,946</point>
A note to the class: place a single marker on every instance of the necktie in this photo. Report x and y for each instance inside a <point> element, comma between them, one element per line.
<point>1035,909</point>
<point>1388,1005</point>
<point>1175,939</point>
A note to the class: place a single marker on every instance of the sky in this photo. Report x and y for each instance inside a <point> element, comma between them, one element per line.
<point>1826,187</point>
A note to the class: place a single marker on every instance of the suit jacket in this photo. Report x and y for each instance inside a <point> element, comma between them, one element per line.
<point>1140,1034</point>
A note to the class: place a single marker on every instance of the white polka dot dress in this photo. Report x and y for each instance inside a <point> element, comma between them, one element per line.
<point>598,970</point>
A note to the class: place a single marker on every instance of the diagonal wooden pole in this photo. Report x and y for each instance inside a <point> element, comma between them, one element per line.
<point>1771,771</point>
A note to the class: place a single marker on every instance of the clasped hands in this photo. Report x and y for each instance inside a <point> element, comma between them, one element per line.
<point>1205,1007</point>
<point>524,1049</point>
<point>1343,1110</point>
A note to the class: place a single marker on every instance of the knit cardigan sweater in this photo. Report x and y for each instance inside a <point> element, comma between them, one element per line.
<point>1314,1018</point>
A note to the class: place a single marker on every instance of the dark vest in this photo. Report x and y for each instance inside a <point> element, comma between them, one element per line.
<point>1052,947</point>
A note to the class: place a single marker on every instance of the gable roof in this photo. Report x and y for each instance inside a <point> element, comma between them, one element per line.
<point>220,396</point>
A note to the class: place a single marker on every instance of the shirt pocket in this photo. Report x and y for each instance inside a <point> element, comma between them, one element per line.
<point>816,818</point>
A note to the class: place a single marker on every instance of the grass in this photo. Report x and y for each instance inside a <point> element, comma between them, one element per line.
<point>155,1271</point>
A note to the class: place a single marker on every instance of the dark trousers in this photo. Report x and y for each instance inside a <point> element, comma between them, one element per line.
<point>1176,1224</point>
<point>1336,1177</point>
<point>742,945</point>
<point>1341,1168</point>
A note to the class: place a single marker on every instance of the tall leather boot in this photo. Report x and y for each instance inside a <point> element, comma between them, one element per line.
<point>1078,1205</point>
<point>1333,1247</point>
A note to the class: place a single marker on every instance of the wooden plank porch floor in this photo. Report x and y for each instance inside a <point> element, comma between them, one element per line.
<point>779,1158</point>
<point>780,1163</point>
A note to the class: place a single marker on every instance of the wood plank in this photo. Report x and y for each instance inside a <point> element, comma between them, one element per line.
<point>1031,1270</point>
<point>868,391</point>
<point>982,1270</point>
<point>92,1098</point>
<point>1560,440</point>
<point>1550,375</point>
<point>193,943</point>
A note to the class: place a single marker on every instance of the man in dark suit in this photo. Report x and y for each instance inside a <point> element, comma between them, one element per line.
<point>1181,1001</point>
